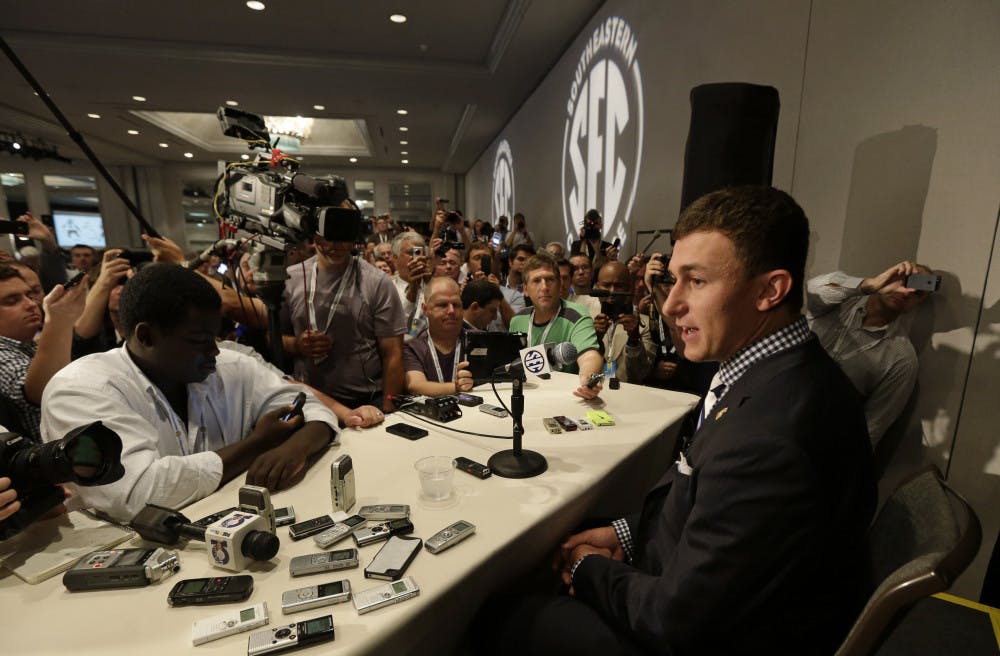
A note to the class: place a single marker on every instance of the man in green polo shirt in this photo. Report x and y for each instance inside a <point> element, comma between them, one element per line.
<point>552,319</point>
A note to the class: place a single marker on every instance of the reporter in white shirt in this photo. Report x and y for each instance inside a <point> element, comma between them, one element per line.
<point>189,416</point>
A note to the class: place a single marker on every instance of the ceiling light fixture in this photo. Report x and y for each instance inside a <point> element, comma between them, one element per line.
<point>353,160</point>
<point>232,103</point>
<point>402,112</point>
<point>139,98</point>
<point>405,152</point>
<point>16,146</point>
<point>133,132</point>
<point>93,115</point>
<point>404,143</point>
<point>398,18</point>
<point>403,128</point>
<point>163,144</point>
<point>319,108</point>
<point>256,5</point>
<point>189,155</point>
<point>291,130</point>
<point>244,156</point>
<point>405,161</point>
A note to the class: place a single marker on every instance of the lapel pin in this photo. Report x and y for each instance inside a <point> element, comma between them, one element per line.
<point>718,415</point>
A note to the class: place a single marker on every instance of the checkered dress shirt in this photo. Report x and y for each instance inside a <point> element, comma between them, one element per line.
<point>15,358</point>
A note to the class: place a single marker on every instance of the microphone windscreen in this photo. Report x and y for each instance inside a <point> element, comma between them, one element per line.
<point>562,354</point>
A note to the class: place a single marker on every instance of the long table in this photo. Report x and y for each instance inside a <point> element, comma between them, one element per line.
<point>601,472</point>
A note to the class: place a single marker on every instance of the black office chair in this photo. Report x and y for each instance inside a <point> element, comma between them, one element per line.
<point>922,539</point>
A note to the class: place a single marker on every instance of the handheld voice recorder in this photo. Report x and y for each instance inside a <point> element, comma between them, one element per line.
<point>216,590</point>
<point>121,568</point>
<point>291,636</point>
<point>472,467</point>
<point>385,511</point>
<point>340,530</point>
<point>383,531</point>
<point>449,536</point>
<point>342,483</point>
<point>310,527</point>
<point>324,561</point>
<point>230,623</point>
<point>284,516</point>
<point>385,595</point>
<point>315,596</point>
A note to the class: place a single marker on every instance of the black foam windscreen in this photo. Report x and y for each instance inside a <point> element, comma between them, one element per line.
<point>731,138</point>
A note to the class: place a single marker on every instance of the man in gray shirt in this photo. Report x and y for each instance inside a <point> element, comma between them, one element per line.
<point>346,332</point>
<point>863,323</point>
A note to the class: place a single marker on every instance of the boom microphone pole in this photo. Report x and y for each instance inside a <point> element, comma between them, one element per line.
<point>76,137</point>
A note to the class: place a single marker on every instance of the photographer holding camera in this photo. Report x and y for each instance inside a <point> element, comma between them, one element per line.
<point>8,497</point>
<point>591,243</point>
<point>626,343</point>
<point>519,235</point>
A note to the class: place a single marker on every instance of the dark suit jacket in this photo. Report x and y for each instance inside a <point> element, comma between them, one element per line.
<point>761,548</point>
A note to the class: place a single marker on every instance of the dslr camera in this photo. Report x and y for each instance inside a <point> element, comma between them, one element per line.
<point>90,455</point>
<point>592,224</point>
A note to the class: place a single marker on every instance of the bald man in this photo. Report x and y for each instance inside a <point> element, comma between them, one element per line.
<point>432,359</point>
<point>627,345</point>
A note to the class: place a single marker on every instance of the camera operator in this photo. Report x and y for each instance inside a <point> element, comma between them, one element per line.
<point>519,235</point>
<point>97,329</point>
<point>591,244</point>
<point>627,346</point>
<point>26,367</point>
<point>480,260</point>
<point>433,358</point>
<point>412,270</point>
<point>190,417</point>
<point>450,229</point>
<point>52,268</point>
<point>344,325</point>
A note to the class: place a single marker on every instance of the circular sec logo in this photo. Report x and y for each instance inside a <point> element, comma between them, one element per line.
<point>602,140</point>
<point>503,182</point>
<point>534,362</point>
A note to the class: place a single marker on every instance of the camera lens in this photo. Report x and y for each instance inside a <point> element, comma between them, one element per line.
<point>260,545</point>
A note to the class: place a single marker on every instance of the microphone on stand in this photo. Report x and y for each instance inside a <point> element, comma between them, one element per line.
<point>559,355</point>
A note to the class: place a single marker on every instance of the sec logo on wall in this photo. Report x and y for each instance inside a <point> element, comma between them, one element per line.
<point>503,182</point>
<point>602,140</point>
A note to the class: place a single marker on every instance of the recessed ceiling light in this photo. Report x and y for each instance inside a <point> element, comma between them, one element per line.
<point>402,112</point>
<point>16,146</point>
<point>133,132</point>
<point>397,18</point>
<point>93,115</point>
<point>403,128</point>
<point>139,98</point>
<point>353,160</point>
<point>244,156</point>
<point>163,144</point>
<point>256,5</point>
<point>405,152</point>
<point>232,103</point>
<point>189,155</point>
<point>404,143</point>
<point>404,161</point>
<point>319,108</point>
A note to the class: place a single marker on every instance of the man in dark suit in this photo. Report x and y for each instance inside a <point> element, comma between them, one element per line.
<point>753,541</point>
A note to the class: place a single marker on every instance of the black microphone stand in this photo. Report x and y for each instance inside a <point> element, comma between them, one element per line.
<point>517,462</point>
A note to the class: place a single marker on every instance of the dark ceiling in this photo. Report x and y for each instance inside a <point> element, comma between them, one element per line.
<point>459,68</point>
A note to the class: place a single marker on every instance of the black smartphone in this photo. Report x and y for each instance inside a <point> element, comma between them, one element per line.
<point>924,282</point>
<point>74,281</point>
<point>216,590</point>
<point>407,431</point>
<point>486,264</point>
<point>469,400</point>
<point>300,400</point>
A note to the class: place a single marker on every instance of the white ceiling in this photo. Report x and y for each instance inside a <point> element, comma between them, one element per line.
<point>459,68</point>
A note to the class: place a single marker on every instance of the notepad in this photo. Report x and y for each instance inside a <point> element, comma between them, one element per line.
<point>52,546</point>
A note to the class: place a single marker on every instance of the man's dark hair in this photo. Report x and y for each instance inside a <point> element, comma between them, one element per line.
<point>161,294</point>
<point>76,246</point>
<point>8,271</point>
<point>767,227</point>
<point>528,250</point>
<point>481,292</point>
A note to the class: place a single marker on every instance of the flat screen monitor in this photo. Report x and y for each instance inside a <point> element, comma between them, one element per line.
<point>79,228</point>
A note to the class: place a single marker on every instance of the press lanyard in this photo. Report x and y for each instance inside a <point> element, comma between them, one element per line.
<point>311,305</point>
<point>437,363</point>
<point>548,326</point>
